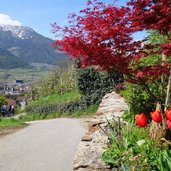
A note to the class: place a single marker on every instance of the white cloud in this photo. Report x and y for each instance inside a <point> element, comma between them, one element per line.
<point>5,19</point>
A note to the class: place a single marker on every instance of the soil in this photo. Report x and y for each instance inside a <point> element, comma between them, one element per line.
<point>6,131</point>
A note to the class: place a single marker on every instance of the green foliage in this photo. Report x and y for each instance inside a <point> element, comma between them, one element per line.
<point>56,98</point>
<point>156,38</point>
<point>3,101</point>
<point>94,85</point>
<point>52,106</point>
<point>66,100</point>
<point>32,117</point>
<point>18,109</point>
<point>131,148</point>
<point>65,103</point>
<point>10,123</point>
<point>143,98</point>
<point>139,100</point>
<point>60,81</point>
<point>151,58</point>
<point>164,160</point>
<point>65,107</point>
<point>88,111</point>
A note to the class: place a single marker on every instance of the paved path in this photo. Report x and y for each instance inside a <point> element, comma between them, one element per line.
<point>48,145</point>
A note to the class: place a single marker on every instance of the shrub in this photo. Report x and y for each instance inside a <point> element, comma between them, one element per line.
<point>68,107</point>
<point>57,103</point>
<point>3,101</point>
<point>138,100</point>
<point>94,85</point>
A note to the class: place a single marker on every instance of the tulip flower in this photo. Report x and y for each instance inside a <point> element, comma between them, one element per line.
<point>141,120</point>
<point>168,114</point>
<point>168,124</point>
<point>156,116</point>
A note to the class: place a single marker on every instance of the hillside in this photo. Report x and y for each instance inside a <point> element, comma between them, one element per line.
<point>10,61</point>
<point>28,46</point>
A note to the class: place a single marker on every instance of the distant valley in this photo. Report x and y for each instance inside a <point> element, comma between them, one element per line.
<point>23,49</point>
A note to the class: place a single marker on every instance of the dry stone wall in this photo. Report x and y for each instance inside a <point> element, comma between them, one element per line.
<point>93,143</point>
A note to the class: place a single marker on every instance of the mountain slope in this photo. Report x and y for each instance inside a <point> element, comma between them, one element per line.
<point>28,45</point>
<point>10,61</point>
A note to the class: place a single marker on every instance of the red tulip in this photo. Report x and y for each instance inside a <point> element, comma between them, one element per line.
<point>168,124</point>
<point>141,120</point>
<point>156,116</point>
<point>168,114</point>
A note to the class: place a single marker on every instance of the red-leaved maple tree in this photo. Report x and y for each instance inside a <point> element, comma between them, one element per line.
<point>102,35</point>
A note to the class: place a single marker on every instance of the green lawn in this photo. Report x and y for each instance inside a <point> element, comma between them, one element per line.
<point>57,98</point>
<point>10,123</point>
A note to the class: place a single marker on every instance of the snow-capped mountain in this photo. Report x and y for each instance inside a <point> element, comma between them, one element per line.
<point>28,45</point>
<point>18,31</point>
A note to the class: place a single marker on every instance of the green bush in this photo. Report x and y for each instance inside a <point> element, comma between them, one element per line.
<point>3,101</point>
<point>57,103</point>
<point>67,107</point>
<point>139,100</point>
<point>94,85</point>
<point>88,111</point>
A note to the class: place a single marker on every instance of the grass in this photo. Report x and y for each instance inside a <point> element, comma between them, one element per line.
<point>11,123</point>
<point>87,113</point>
<point>31,74</point>
<point>57,98</point>
<point>32,117</point>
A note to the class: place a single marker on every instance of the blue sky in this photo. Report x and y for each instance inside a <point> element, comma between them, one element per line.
<point>39,14</point>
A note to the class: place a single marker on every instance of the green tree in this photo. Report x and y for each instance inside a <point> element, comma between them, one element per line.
<point>94,85</point>
<point>61,80</point>
<point>3,101</point>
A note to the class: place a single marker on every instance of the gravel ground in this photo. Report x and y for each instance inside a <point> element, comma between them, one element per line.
<point>48,145</point>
